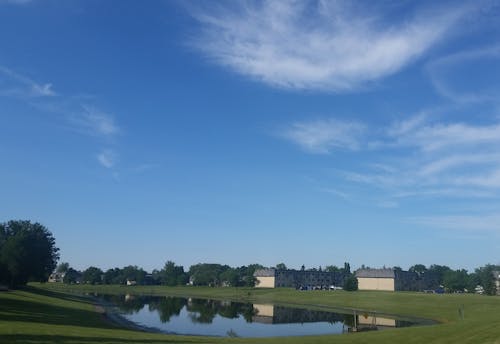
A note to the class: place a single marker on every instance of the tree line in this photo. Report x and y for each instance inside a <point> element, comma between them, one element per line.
<point>28,252</point>
<point>171,274</point>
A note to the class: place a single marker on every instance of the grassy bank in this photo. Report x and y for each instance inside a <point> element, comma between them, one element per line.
<point>50,313</point>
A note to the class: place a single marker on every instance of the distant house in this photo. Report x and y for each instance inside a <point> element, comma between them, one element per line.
<point>131,282</point>
<point>496,276</point>
<point>387,279</point>
<point>56,277</point>
<point>309,279</point>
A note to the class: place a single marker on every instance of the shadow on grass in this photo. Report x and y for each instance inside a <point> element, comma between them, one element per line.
<point>27,311</point>
<point>57,294</point>
<point>26,307</point>
<point>47,339</point>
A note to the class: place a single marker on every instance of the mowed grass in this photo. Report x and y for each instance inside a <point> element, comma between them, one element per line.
<point>51,313</point>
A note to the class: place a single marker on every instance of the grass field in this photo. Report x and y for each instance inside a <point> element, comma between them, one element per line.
<point>50,313</point>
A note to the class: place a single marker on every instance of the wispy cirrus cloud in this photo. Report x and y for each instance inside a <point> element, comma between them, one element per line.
<point>324,135</point>
<point>318,45</point>
<point>473,223</point>
<point>17,85</point>
<point>74,112</point>
<point>107,158</point>
<point>422,156</point>
<point>94,121</point>
<point>468,76</point>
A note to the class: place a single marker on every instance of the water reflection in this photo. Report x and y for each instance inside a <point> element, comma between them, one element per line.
<point>236,319</point>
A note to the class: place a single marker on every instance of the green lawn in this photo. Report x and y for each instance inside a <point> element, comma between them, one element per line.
<point>50,313</point>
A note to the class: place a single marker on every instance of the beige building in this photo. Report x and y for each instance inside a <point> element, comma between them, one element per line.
<point>376,279</point>
<point>265,278</point>
<point>387,279</point>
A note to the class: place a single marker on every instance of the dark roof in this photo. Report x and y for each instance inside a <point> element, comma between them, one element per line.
<point>375,273</point>
<point>264,273</point>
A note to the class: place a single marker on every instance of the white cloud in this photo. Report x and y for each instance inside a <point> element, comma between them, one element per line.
<point>107,158</point>
<point>85,119</point>
<point>473,223</point>
<point>421,157</point>
<point>436,136</point>
<point>325,45</point>
<point>440,165</point>
<point>17,85</point>
<point>98,122</point>
<point>323,136</point>
<point>467,76</point>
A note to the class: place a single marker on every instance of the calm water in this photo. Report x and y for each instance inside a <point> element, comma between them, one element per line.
<point>224,318</point>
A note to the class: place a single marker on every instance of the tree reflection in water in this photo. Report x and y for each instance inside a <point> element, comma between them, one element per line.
<point>201,311</point>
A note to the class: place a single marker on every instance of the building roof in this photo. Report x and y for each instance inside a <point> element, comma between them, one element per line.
<point>375,273</point>
<point>264,273</point>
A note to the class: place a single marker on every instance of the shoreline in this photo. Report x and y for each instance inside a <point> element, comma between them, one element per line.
<point>111,315</point>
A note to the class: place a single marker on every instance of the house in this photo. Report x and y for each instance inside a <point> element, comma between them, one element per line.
<point>496,277</point>
<point>376,279</point>
<point>387,279</point>
<point>307,279</point>
<point>56,277</point>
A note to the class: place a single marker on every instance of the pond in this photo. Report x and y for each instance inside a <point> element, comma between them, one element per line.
<point>204,317</point>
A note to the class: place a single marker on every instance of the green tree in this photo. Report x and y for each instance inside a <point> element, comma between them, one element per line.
<point>207,274</point>
<point>487,279</point>
<point>347,268</point>
<point>62,268</point>
<point>420,269</point>
<point>27,253</point>
<point>455,280</point>
<point>351,283</point>
<point>92,275</point>
<point>281,266</point>
<point>71,276</point>
<point>436,273</point>
<point>172,274</point>
<point>133,273</point>
<point>332,268</point>
<point>231,277</point>
<point>113,276</point>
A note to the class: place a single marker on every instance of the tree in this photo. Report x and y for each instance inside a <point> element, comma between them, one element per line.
<point>62,268</point>
<point>347,268</point>
<point>455,280</point>
<point>351,283</point>
<point>281,266</point>
<point>486,278</point>
<point>172,274</point>
<point>27,253</point>
<point>72,276</point>
<point>113,276</point>
<point>92,275</point>
<point>231,277</point>
<point>207,274</point>
<point>133,273</point>
<point>420,269</point>
<point>332,268</point>
<point>436,272</point>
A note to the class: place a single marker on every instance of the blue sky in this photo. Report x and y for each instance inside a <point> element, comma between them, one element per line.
<point>310,132</point>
